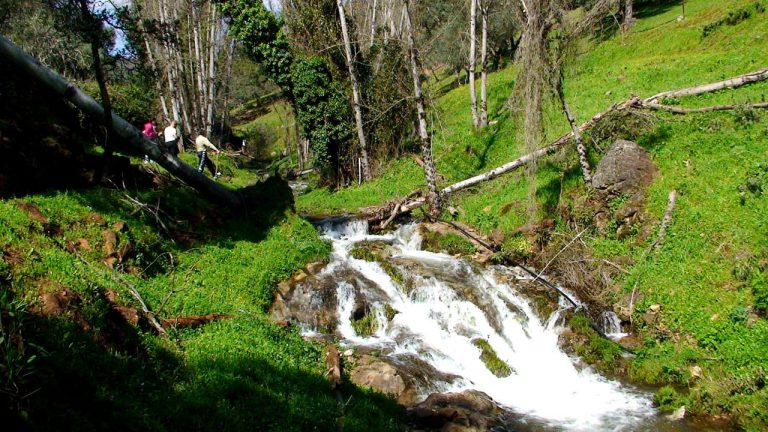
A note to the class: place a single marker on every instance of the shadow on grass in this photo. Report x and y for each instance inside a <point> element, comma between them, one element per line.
<point>80,384</point>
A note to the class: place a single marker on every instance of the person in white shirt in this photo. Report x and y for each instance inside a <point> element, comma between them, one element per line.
<point>201,144</point>
<point>171,138</point>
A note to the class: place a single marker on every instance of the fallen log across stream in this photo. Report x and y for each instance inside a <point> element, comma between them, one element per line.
<point>382,215</point>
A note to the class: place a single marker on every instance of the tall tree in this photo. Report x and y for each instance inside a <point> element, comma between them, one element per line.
<point>484,65</point>
<point>366,168</point>
<point>628,13</point>
<point>433,194</point>
<point>472,61</point>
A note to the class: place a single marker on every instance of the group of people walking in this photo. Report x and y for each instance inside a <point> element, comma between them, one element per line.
<point>173,144</point>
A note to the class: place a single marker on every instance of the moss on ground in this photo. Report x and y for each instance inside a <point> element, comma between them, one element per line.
<point>491,360</point>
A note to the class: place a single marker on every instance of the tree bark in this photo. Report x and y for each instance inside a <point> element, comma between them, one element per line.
<point>433,195</point>
<point>629,18</point>
<point>59,86</point>
<point>679,110</point>
<point>484,62</point>
<point>213,50</point>
<point>580,149</point>
<point>373,24</point>
<point>355,93</point>
<point>472,56</point>
<point>748,78</point>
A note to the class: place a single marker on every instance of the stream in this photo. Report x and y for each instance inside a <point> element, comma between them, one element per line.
<point>438,310</point>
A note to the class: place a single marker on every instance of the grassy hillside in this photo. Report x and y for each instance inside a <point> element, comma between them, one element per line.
<point>709,277</point>
<point>71,361</point>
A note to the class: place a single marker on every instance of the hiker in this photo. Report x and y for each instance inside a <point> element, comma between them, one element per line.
<point>151,133</point>
<point>201,144</point>
<point>171,136</point>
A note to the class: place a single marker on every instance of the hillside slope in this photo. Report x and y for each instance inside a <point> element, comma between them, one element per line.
<point>698,303</point>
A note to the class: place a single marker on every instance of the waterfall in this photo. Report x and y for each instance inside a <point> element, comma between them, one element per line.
<point>451,306</point>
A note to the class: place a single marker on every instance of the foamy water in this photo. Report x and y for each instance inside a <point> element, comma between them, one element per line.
<point>438,324</point>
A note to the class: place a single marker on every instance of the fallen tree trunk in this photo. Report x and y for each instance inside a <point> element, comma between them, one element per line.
<point>374,215</point>
<point>59,85</point>
<point>734,82</point>
<point>678,110</point>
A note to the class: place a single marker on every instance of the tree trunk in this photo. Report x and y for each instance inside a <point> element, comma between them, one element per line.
<point>484,62</point>
<point>373,24</point>
<point>355,93</point>
<point>748,78</point>
<point>629,18</point>
<point>472,56</point>
<point>58,85</point>
<point>509,166</point>
<point>211,93</point>
<point>433,195</point>
<point>585,168</point>
<point>158,85</point>
<point>94,29</point>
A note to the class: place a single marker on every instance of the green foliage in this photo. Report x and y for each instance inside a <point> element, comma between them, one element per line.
<point>492,361</point>
<point>667,399</point>
<point>450,243</point>
<point>734,17</point>
<point>18,358</point>
<point>367,325</point>
<point>262,38</point>
<point>592,348</point>
<point>754,183</point>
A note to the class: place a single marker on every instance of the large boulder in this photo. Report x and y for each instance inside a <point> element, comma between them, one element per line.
<point>380,375</point>
<point>625,168</point>
<point>468,411</point>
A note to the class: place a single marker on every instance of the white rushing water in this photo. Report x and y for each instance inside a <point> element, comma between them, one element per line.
<point>437,322</point>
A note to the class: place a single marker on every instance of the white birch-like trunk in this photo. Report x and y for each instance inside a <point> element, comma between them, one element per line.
<point>212,51</point>
<point>158,84</point>
<point>484,64</point>
<point>373,23</point>
<point>355,93</point>
<point>472,56</point>
<point>580,148</point>
<point>433,195</point>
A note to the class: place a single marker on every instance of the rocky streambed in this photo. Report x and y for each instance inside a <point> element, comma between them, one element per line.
<point>465,346</point>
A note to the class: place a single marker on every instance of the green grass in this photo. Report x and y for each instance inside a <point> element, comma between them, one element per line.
<point>269,134</point>
<point>237,374</point>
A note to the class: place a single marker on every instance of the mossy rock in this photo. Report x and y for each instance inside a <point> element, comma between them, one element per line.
<point>491,359</point>
<point>449,243</point>
<point>367,325</point>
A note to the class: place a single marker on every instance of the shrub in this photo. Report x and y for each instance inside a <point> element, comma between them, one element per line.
<point>667,399</point>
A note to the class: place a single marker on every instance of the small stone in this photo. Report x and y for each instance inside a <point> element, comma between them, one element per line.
<point>96,218</point>
<point>695,371</point>
<point>654,308</point>
<point>83,244</point>
<point>315,267</point>
<point>487,209</point>
<point>679,414</point>
<point>110,242</point>
<point>348,353</point>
